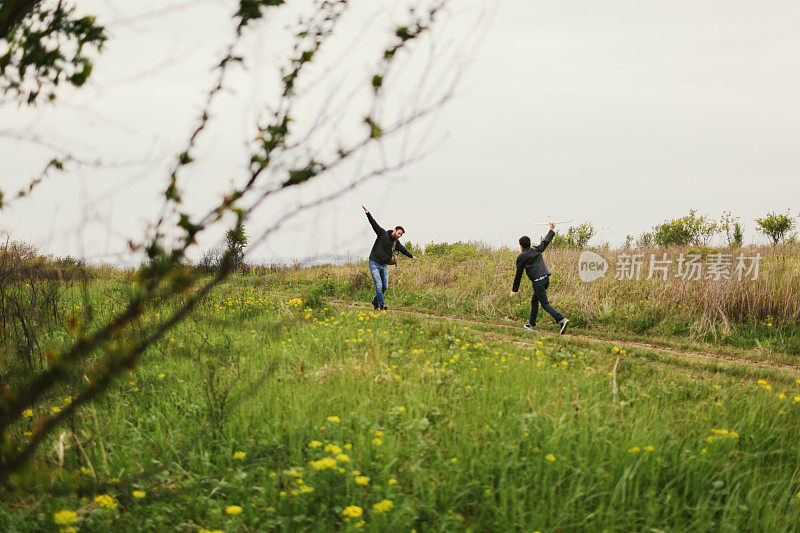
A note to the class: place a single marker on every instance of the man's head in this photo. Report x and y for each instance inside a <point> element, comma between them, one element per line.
<point>524,242</point>
<point>398,232</point>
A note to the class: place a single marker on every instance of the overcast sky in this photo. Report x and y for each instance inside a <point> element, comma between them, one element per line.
<point>619,113</point>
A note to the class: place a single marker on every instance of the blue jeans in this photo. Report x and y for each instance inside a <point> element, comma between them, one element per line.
<point>380,276</point>
<point>540,296</point>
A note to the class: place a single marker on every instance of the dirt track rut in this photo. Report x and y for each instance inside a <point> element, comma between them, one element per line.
<point>583,336</point>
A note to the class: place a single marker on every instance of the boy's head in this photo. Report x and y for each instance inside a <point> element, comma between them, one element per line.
<point>524,242</point>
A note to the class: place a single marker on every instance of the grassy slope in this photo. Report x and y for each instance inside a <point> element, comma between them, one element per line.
<point>759,318</point>
<point>478,432</point>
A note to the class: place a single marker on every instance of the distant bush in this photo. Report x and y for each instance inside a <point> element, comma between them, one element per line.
<point>645,240</point>
<point>235,242</point>
<point>21,261</point>
<point>213,258</point>
<point>458,251</point>
<point>209,261</point>
<point>575,237</point>
<point>703,251</point>
<point>414,248</point>
<point>32,302</point>
<point>730,227</point>
<point>776,226</point>
<point>690,229</point>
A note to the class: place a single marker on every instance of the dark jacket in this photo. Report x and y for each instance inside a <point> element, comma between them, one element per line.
<point>382,249</point>
<point>532,262</point>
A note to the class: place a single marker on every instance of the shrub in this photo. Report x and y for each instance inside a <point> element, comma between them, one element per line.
<point>645,240</point>
<point>730,227</point>
<point>575,237</point>
<point>457,251</point>
<point>776,226</point>
<point>690,229</point>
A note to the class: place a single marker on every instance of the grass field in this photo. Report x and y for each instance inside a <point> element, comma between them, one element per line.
<point>291,413</point>
<point>759,317</point>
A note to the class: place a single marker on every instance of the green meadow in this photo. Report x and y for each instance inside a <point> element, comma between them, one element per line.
<point>292,413</point>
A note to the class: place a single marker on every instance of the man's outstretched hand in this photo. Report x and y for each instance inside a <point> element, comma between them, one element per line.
<point>552,226</point>
<point>415,258</point>
<point>365,209</point>
<point>512,294</point>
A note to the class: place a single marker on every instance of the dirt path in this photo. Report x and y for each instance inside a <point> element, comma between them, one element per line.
<point>592,338</point>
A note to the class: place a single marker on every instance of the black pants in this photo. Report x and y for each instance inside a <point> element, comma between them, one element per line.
<point>540,296</point>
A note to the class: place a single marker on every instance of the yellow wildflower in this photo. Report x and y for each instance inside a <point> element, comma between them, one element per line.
<point>239,455</point>
<point>322,464</point>
<point>104,500</point>
<point>233,510</point>
<point>392,481</point>
<point>332,449</point>
<point>314,444</point>
<point>382,506</point>
<point>353,511</point>
<point>362,480</point>
<point>635,449</point>
<point>550,457</point>
<point>333,419</point>
<point>27,413</point>
<point>65,517</point>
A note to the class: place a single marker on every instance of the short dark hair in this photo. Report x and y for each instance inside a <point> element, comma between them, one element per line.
<point>525,241</point>
<point>400,228</point>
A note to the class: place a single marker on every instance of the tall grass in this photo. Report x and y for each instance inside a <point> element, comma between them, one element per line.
<point>262,414</point>
<point>474,279</point>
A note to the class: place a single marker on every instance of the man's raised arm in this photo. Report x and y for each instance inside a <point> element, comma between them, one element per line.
<point>378,230</point>
<point>547,238</point>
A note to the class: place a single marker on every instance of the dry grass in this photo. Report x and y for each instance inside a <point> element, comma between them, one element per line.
<point>478,279</point>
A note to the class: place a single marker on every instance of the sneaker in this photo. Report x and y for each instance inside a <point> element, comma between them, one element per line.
<point>563,324</point>
<point>529,326</point>
<point>384,308</point>
<point>375,303</point>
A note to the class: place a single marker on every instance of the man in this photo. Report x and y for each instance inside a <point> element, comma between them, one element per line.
<point>532,262</point>
<point>380,257</point>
